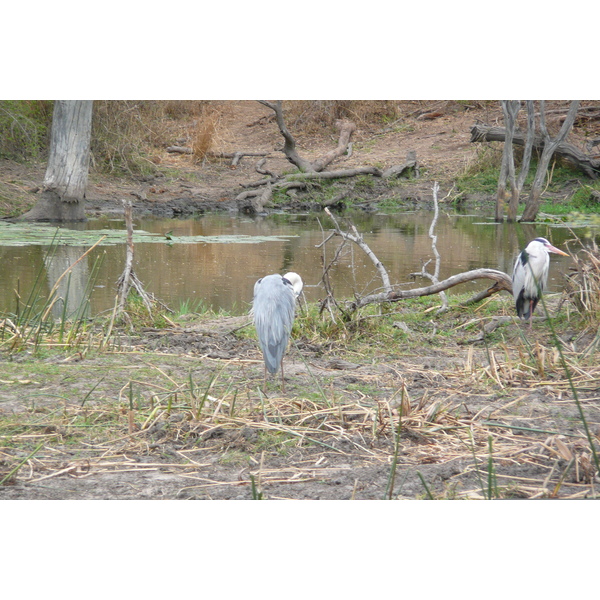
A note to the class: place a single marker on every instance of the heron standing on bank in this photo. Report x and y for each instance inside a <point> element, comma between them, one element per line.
<point>274,308</point>
<point>530,275</point>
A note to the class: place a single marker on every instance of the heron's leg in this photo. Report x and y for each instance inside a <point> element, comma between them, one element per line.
<point>530,314</point>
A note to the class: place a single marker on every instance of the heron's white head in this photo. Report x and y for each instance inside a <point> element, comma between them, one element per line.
<point>296,282</point>
<point>548,246</point>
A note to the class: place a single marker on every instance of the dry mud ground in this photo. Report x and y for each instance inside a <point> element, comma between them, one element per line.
<point>476,421</point>
<point>329,436</point>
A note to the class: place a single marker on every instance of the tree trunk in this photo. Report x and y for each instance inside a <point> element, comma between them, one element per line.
<point>510,108</point>
<point>514,201</point>
<point>550,145</point>
<point>65,182</point>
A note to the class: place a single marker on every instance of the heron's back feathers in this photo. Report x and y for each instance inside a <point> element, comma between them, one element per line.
<point>274,309</point>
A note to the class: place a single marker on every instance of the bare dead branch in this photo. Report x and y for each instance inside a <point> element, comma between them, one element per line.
<point>346,129</point>
<point>434,277</point>
<point>259,168</point>
<point>179,150</point>
<point>398,170</point>
<point>128,278</point>
<point>235,156</point>
<point>336,174</point>
<point>289,147</point>
<point>503,282</point>
<point>358,240</point>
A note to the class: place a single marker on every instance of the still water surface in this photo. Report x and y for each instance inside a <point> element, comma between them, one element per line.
<point>221,273</point>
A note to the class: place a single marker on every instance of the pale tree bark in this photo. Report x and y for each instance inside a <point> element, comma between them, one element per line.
<point>510,108</point>
<point>65,182</point>
<point>550,145</point>
<point>529,140</point>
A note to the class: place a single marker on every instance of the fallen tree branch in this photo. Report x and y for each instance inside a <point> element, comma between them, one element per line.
<point>389,294</point>
<point>398,170</point>
<point>235,156</point>
<point>503,282</point>
<point>179,150</point>
<point>587,164</point>
<point>289,147</point>
<point>346,129</point>
<point>336,174</point>
<point>259,169</point>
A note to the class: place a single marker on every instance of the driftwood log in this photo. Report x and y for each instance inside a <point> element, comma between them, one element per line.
<point>502,282</point>
<point>235,156</point>
<point>587,164</point>
<point>346,129</point>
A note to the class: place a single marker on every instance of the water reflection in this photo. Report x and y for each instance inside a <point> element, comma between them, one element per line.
<point>222,275</point>
<point>69,275</point>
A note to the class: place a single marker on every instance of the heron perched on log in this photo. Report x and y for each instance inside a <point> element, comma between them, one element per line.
<point>530,275</point>
<point>274,309</point>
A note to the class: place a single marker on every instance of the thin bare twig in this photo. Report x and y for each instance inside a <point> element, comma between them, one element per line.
<point>358,240</point>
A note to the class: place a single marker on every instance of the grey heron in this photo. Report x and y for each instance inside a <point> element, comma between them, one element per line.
<point>530,275</point>
<point>274,309</point>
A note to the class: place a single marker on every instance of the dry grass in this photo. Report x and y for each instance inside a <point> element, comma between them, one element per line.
<point>583,285</point>
<point>181,425</point>
<point>207,130</point>
<point>125,133</point>
<point>312,116</point>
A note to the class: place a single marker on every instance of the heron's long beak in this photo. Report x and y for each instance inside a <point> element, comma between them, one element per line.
<point>551,248</point>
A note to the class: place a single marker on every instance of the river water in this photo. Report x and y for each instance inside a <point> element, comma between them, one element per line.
<point>220,269</point>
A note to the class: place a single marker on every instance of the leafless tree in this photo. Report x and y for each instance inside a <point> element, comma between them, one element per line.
<point>544,143</point>
<point>550,145</point>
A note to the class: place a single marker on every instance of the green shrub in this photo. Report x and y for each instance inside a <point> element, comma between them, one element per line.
<point>24,128</point>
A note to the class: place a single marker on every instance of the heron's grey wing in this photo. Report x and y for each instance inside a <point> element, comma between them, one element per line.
<point>543,276</point>
<point>518,277</point>
<point>274,309</point>
<point>519,282</point>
